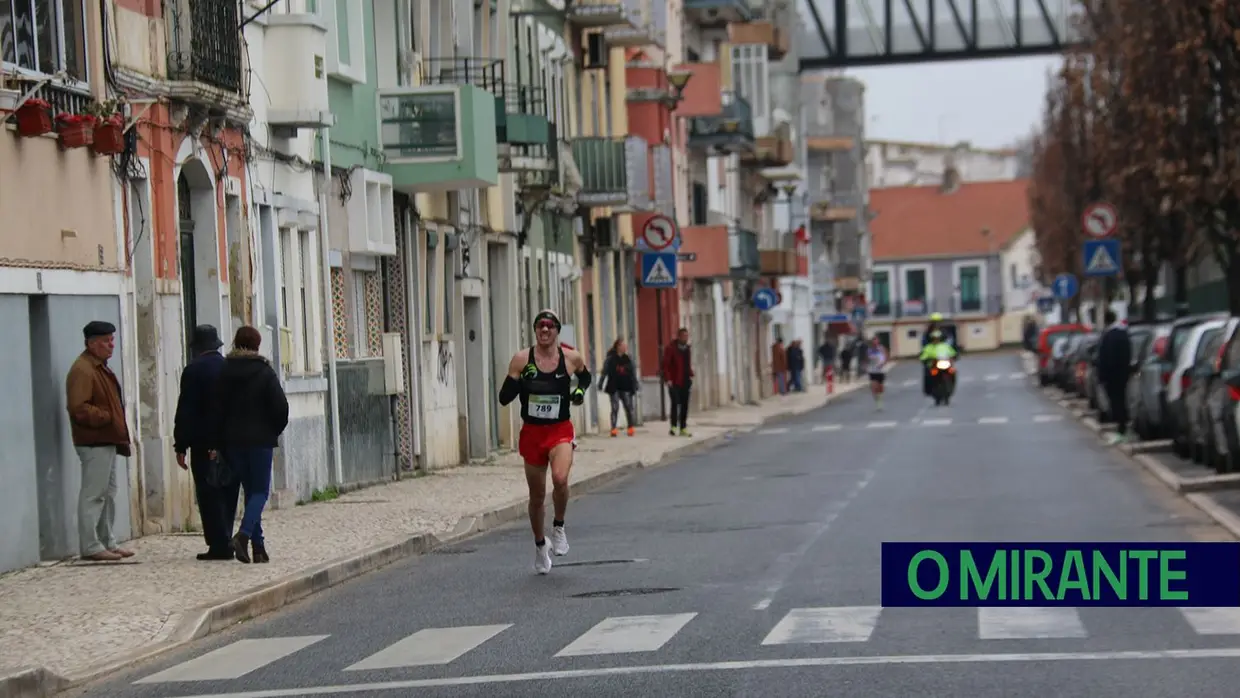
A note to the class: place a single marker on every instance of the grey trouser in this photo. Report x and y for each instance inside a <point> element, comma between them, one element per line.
<point>96,499</point>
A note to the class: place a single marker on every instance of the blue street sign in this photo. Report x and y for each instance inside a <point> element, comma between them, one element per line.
<point>1046,304</point>
<point>837,317</point>
<point>1102,257</point>
<point>1065,286</point>
<point>659,269</point>
<point>765,299</point>
<point>858,313</point>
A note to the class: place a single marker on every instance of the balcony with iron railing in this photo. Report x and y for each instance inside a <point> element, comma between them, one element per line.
<point>650,29</point>
<point>729,132</point>
<point>204,43</point>
<point>624,14</point>
<point>615,172</point>
<point>835,206</point>
<point>777,262</point>
<point>716,14</point>
<point>745,262</point>
<point>882,306</point>
<point>438,137</point>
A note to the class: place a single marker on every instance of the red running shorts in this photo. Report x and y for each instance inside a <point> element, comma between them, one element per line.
<point>537,440</point>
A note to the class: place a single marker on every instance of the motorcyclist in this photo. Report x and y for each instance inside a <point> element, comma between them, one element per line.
<point>937,347</point>
<point>935,319</point>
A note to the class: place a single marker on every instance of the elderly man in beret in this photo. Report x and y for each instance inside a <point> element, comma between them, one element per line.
<point>100,434</point>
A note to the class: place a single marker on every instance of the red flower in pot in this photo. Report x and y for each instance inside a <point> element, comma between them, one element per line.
<point>109,137</point>
<point>76,130</point>
<point>34,118</point>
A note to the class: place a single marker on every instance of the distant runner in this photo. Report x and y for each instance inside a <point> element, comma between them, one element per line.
<point>877,355</point>
<point>542,377</point>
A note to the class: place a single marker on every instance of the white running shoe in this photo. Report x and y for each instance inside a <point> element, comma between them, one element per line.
<point>559,541</point>
<point>542,559</point>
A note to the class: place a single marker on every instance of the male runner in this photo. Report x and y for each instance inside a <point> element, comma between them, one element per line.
<point>878,371</point>
<point>542,377</point>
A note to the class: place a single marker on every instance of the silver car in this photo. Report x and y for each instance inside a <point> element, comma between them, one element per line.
<point>1189,355</point>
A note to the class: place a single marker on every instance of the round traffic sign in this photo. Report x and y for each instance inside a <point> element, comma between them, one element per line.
<point>659,232</point>
<point>1100,219</point>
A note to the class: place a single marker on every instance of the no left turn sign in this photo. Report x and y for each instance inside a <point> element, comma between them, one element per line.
<point>1100,220</point>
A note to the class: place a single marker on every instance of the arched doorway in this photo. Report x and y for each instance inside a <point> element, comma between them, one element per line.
<point>198,265</point>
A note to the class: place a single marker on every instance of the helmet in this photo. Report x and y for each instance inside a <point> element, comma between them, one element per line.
<point>936,335</point>
<point>936,317</point>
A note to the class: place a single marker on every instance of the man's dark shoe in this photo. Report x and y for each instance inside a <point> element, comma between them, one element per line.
<point>216,555</point>
<point>241,544</point>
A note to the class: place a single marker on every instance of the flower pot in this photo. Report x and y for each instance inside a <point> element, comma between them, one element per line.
<point>76,134</point>
<point>8,99</point>
<point>33,118</point>
<point>109,137</point>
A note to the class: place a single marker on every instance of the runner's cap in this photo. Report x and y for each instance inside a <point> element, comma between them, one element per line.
<point>548,314</point>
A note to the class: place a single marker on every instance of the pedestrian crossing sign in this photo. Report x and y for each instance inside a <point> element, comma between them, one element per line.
<point>1102,258</point>
<point>659,269</point>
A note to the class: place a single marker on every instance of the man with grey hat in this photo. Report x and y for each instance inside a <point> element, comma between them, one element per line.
<point>97,421</point>
<point>215,486</point>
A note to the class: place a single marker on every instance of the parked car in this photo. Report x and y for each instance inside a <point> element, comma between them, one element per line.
<point>1224,404</point>
<point>1046,340</point>
<point>1187,356</point>
<point>1080,363</point>
<point>1149,413</point>
<point>1198,434</point>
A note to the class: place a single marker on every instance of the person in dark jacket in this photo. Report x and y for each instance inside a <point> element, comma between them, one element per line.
<point>620,383</point>
<point>678,375</point>
<point>215,486</point>
<point>796,366</point>
<point>1114,366</point>
<point>251,412</point>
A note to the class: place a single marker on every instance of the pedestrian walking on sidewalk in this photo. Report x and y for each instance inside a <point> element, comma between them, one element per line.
<point>826,355</point>
<point>796,367</point>
<point>541,377</point>
<point>877,363</point>
<point>216,486</point>
<point>251,412</point>
<point>1114,367</point>
<point>846,353</point>
<point>779,366</point>
<point>96,407</point>
<point>678,375</point>
<point>619,381</point>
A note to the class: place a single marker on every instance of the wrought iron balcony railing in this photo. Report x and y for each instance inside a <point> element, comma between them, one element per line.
<point>205,43</point>
<point>420,125</point>
<point>882,306</point>
<point>743,257</point>
<point>731,130</point>
<point>614,171</point>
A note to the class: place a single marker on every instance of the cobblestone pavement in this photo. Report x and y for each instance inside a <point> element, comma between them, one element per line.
<point>69,616</point>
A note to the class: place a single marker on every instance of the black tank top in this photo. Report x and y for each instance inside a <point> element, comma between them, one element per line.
<point>545,398</point>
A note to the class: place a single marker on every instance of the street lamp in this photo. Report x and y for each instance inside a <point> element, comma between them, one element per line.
<point>677,79</point>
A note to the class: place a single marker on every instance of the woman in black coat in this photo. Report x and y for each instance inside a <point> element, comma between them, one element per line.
<point>620,383</point>
<point>251,414</point>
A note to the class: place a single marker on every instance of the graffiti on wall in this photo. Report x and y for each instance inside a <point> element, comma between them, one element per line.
<point>445,361</point>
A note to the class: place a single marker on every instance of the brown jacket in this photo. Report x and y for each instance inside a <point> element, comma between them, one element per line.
<point>779,358</point>
<point>96,410</point>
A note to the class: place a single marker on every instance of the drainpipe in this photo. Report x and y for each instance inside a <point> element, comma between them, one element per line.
<point>329,312</point>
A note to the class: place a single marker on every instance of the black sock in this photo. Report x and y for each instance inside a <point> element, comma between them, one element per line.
<point>540,542</point>
<point>557,523</point>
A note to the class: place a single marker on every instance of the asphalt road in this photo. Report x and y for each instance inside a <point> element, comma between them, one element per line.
<point>753,570</point>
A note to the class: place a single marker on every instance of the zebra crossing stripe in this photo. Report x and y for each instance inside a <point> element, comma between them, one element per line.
<point>235,660</point>
<point>1029,623</point>
<point>778,430</point>
<point>993,420</point>
<point>817,625</point>
<point>828,427</point>
<point>880,425</point>
<point>625,634</point>
<point>937,422</point>
<point>1213,621</point>
<point>430,646</point>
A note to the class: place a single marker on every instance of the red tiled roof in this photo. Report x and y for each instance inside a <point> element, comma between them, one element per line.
<point>924,221</point>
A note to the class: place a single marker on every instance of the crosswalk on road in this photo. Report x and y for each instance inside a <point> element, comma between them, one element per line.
<point>921,423</point>
<point>629,635</point>
<point>985,378</point>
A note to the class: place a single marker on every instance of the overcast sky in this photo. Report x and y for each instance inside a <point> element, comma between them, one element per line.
<point>990,103</point>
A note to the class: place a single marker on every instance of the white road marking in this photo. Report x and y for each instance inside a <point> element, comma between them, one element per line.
<point>1028,623</point>
<point>828,427</point>
<point>1016,376</point>
<point>938,422</point>
<point>1042,418</point>
<point>993,377</point>
<point>778,430</point>
<point>787,562</point>
<point>1213,621</point>
<point>235,660</point>
<point>880,425</point>
<point>814,625</point>
<point>993,420</point>
<point>624,634</point>
<point>790,663</point>
<point>429,646</point>
<point>909,382</point>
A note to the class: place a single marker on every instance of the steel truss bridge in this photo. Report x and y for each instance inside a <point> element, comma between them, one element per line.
<point>863,33</point>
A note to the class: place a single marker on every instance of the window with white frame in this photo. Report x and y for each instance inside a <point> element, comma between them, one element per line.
<point>44,37</point>
<point>969,283</point>
<point>346,37</point>
<point>880,292</point>
<point>916,290</point>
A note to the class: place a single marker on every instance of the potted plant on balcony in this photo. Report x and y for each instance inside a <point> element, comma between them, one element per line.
<point>109,135</point>
<point>34,118</point>
<point>76,130</point>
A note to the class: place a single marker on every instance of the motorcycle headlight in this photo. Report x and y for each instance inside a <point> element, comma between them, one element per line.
<point>944,364</point>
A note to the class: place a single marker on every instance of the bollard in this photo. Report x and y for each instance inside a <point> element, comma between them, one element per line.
<point>830,381</point>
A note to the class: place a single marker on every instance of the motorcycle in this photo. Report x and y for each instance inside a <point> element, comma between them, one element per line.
<point>942,380</point>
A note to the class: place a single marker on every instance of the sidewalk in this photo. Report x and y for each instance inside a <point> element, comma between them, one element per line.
<point>68,622</point>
